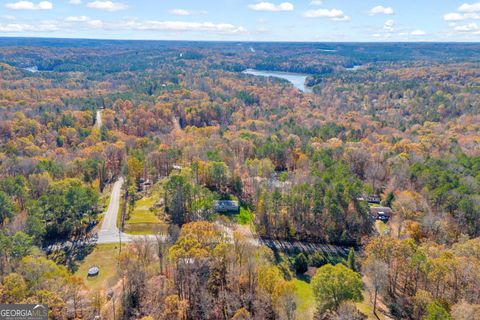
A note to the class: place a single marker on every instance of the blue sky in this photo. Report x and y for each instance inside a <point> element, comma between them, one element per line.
<point>291,20</point>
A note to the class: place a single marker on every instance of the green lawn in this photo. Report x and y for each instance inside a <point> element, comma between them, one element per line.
<point>366,308</point>
<point>306,301</point>
<point>144,221</point>
<point>382,228</point>
<point>105,257</point>
<point>142,213</point>
<point>244,217</point>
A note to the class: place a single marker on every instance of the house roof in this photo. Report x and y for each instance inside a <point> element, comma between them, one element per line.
<point>381,210</point>
<point>226,205</point>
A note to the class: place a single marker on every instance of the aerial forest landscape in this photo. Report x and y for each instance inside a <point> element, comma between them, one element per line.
<point>180,169</point>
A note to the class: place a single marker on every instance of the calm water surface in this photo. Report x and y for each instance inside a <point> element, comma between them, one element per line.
<point>297,79</point>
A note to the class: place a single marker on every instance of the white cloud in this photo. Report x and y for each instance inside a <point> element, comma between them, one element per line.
<point>158,25</point>
<point>382,36</point>
<point>389,25</point>
<point>387,31</point>
<point>184,12</point>
<point>75,1</point>
<point>45,5</point>
<point>455,16</point>
<point>381,10</point>
<point>334,14</point>
<point>107,5</point>
<point>43,26</point>
<point>14,27</point>
<point>180,12</point>
<point>468,27</point>
<point>316,3</point>
<point>418,32</point>
<point>77,19</point>
<point>183,26</point>
<point>27,5</point>
<point>467,7</point>
<point>268,6</point>
<point>95,24</point>
<point>47,26</point>
<point>467,11</point>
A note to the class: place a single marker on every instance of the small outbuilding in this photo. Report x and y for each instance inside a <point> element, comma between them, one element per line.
<point>370,198</point>
<point>93,271</point>
<point>177,167</point>
<point>225,206</point>
<point>144,185</point>
<point>381,213</point>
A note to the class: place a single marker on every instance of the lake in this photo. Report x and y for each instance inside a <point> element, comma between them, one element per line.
<point>353,68</point>
<point>297,79</point>
<point>33,69</point>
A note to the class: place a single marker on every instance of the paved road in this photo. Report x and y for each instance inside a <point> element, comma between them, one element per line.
<point>98,122</point>
<point>109,232</point>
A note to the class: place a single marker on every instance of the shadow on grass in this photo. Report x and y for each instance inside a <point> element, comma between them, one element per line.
<point>303,277</point>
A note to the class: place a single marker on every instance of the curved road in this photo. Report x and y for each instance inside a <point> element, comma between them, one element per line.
<point>98,122</point>
<point>109,232</point>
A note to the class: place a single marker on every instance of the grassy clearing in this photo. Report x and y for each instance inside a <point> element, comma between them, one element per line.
<point>141,213</point>
<point>382,228</point>
<point>306,301</point>
<point>105,257</point>
<point>244,217</point>
<point>146,228</point>
<point>142,220</point>
<point>366,308</point>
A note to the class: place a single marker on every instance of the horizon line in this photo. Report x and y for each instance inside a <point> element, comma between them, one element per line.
<point>2,37</point>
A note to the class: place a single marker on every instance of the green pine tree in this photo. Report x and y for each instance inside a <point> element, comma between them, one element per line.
<point>351,260</point>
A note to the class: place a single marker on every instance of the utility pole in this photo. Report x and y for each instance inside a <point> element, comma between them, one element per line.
<point>124,209</point>
<point>120,238</point>
<point>122,218</point>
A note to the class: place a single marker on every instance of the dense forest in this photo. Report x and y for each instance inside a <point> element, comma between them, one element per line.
<point>187,130</point>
